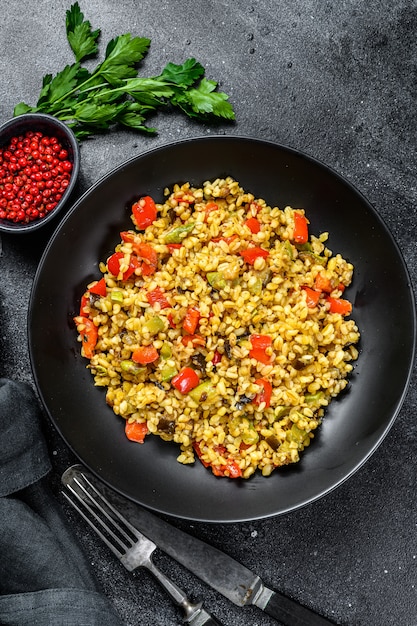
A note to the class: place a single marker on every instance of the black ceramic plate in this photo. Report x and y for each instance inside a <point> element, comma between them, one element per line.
<point>355,423</point>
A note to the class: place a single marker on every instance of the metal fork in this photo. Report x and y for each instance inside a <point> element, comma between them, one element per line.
<point>128,544</point>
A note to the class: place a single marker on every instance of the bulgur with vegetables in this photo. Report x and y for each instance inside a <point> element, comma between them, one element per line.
<point>220,324</point>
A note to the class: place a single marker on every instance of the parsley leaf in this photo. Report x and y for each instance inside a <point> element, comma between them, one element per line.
<point>55,88</point>
<point>122,55</point>
<point>81,38</point>
<point>205,100</point>
<point>185,74</point>
<point>113,93</point>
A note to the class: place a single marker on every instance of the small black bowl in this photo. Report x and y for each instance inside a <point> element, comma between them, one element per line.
<point>52,127</point>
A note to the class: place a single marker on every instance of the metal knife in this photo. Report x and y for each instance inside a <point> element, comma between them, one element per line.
<point>217,569</point>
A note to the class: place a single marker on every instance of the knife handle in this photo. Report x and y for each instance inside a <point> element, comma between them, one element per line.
<point>291,613</point>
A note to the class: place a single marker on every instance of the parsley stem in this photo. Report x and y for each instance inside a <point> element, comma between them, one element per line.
<point>79,88</point>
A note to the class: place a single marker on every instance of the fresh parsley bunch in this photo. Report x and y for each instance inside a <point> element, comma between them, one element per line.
<point>92,102</point>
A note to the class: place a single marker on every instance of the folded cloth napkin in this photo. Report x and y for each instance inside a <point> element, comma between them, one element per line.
<point>45,578</point>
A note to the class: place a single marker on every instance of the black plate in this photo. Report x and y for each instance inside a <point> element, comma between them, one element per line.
<point>355,424</point>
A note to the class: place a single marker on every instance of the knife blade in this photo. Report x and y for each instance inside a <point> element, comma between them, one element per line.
<point>214,567</point>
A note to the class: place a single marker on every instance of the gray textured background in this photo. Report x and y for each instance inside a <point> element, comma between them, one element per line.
<point>338,81</point>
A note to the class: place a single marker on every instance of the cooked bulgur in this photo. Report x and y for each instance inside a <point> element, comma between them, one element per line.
<point>220,324</point>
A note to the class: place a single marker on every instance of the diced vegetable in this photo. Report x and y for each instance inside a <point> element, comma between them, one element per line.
<point>339,305</point>
<point>273,441</point>
<point>89,333</point>
<point>288,249</point>
<point>157,296</point>
<point>265,394</point>
<point>313,397</point>
<point>196,340</point>
<point>204,392</point>
<point>148,256</point>
<point>260,345</point>
<point>191,320</point>
<point>231,469</point>
<point>144,212</point>
<point>99,288</point>
<point>116,296</point>
<point>174,246</point>
<point>296,434</point>
<point>255,287</point>
<point>312,297</point>
<point>216,280</point>
<point>129,367</point>
<point>168,372</point>
<point>217,357</point>
<point>166,351</point>
<point>227,240</point>
<point>154,325</point>
<point>250,435</point>
<point>253,224</point>
<point>136,431</point>
<point>300,233</point>
<point>252,253</point>
<point>145,355</point>
<point>210,206</point>
<point>85,304</point>
<point>113,264</point>
<point>177,234</point>
<point>186,380</point>
<point>322,283</point>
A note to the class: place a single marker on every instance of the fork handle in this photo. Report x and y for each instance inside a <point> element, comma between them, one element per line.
<point>204,619</point>
<point>194,614</point>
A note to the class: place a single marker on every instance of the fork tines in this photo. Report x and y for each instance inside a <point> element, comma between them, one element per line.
<point>116,532</point>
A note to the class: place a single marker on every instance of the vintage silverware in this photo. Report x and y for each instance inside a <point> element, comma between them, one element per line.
<point>131,547</point>
<point>220,571</point>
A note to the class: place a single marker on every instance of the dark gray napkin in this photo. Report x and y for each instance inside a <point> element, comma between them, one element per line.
<point>45,579</point>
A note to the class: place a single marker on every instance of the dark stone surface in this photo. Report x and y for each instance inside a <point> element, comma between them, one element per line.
<point>338,81</point>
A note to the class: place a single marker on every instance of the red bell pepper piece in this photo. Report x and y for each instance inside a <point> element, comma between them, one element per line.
<point>197,450</point>
<point>312,297</point>
<point>145,355</point>
<point>170,319</point>
<point>113,264</point>
<point>253,224</point>
<point>217,357</point>
<point>144,212</point>
<point>339,305</point>
<point>85,304</point>
<point>89,334</point>
<point>300,233</point>
<point>186,380</point>
<point>128,236</point>
<point>149,257</point>
<point>146,253</point>
<point>210,206</point>
<point>230,469</point>
<point>228,240</point>
<point>157,296</point>
<point>322,283</point>
<point>254,252</point>
<point>99,288</point>
<point>191,320</point>
<point>174,246</point>
<point>266,393</point>
<point>136,431</point>
<point>260,343</point>
<point>196,340</point>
